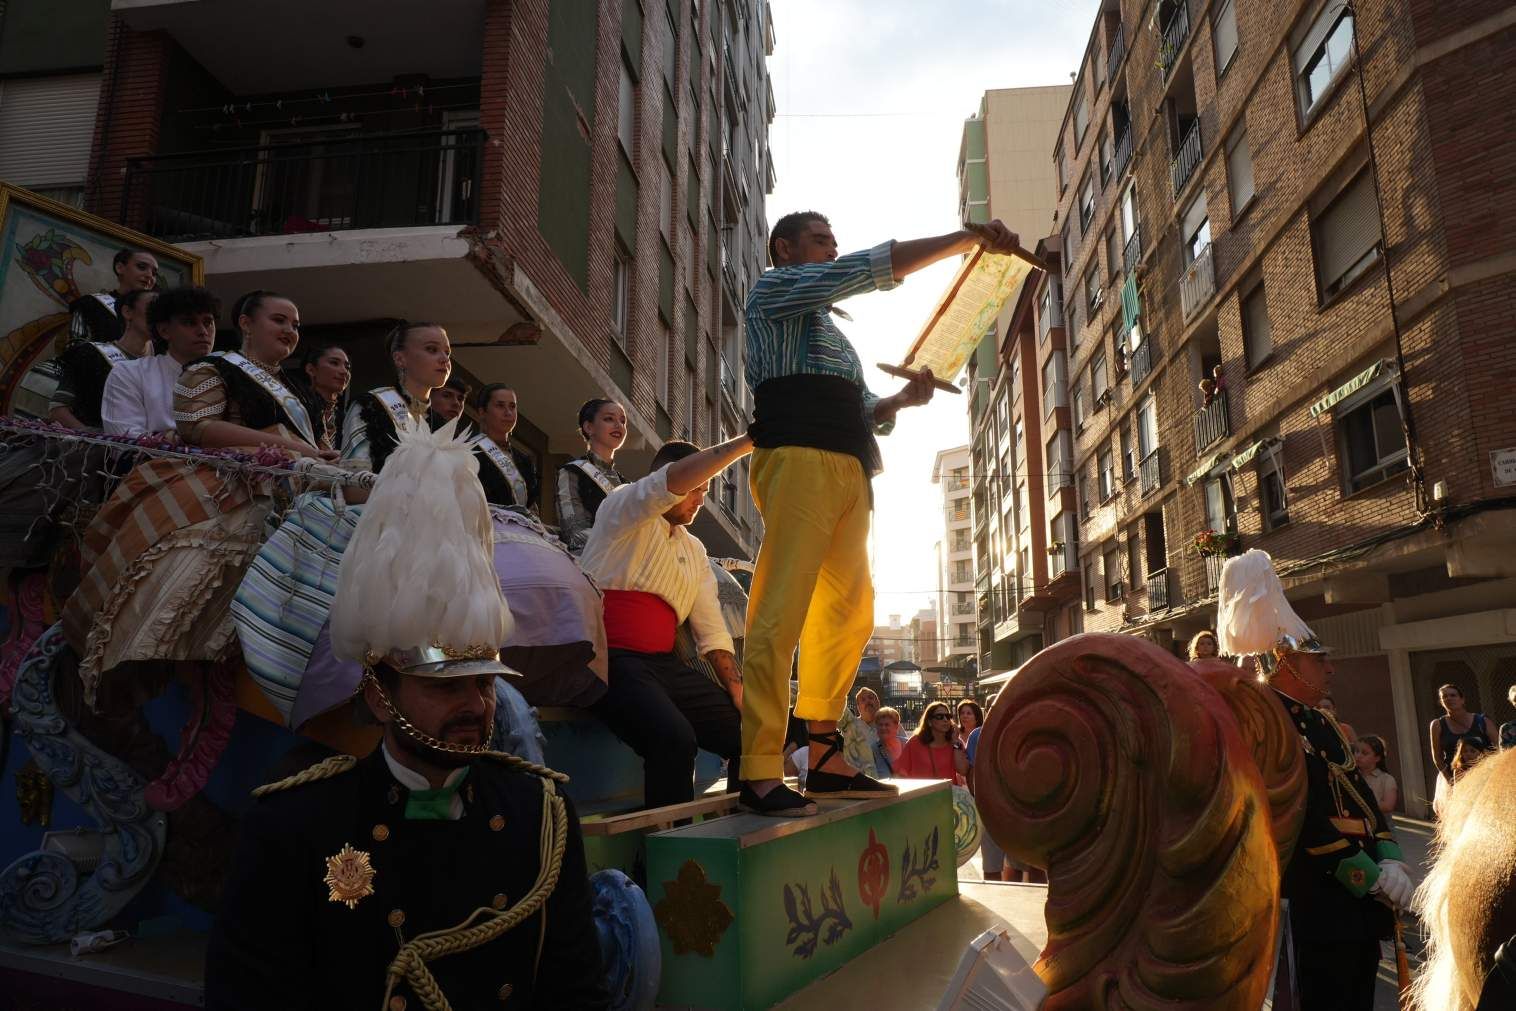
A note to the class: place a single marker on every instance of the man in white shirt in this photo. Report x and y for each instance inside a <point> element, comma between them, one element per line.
<point>656,575</point>
<point>139,395</point>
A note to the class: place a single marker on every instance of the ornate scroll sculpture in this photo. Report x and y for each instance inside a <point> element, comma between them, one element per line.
<point>44,898</point>
<point>1275,744</point>
<point>1113,765</point>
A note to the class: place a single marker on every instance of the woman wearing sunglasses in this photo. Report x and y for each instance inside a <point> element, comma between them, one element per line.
<point>933,751</point>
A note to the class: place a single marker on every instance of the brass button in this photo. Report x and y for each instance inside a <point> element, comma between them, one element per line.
<point>499,901</point>
<point>497,823</point>
<point>397,1004</point>
<point>381,832</point>
<point>505,991</point>
<point>396,917</point>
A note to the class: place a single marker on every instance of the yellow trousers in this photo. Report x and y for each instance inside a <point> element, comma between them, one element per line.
<point>811,587</point>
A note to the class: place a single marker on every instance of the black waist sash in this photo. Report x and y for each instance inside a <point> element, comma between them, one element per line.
<point>820,412</point>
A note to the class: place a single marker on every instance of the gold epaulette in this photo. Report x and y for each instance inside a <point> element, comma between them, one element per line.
<point>324,769</point>
<point>517,762</point>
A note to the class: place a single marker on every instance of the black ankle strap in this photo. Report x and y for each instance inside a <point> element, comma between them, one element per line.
<point>833,741</point>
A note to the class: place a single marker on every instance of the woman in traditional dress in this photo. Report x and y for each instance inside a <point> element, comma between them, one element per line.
<point>321,378</point>
<point>166,552</point>
<point>84,365</point>
<point>283,603</point>
<point>508,475</point>
<point>584,482</point>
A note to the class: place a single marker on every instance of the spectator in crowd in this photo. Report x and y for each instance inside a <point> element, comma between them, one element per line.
<point>934,752</point>
<point>584,482</point>
<point>1508,728</point>
<point>891,740</point>
<point>1368,753</point>
<point>970,719</point>
<point>98,317</point>
<point>448,400</point>
<point>1207,392</point>
<point>860,742</point>
<point>509,476</point>
<point>1456,726</point>
<point>1467,903</point>
<point>1203,646</point>
<point>655,575</point>
<point>321,378</point>
<point>1328,705</point>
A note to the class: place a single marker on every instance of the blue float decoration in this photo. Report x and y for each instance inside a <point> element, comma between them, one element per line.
<point>44,897</point>
<point>967,829</point>
<point>629,947</point>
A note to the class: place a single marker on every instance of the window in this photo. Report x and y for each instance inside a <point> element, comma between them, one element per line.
<point>664,352</point>
<point>1067,245</point>
<point>626,108</point>
<point>1224,35</point>
<point>1086,202</point>
<point>1063,174</point>
<point>1147,427</point>
<point>1370,439</point>
<point>1081,115</point>
<point>691,408</point>
<point>1093,293</point>
<point>1272,501</point>
<point>1220,514</point>
<point>1107,474</point>
<point>1197,230</point>
<point>1129,211</point>
<point>1239,171</point>
<point>1089,586</point>
<point>621,294</point>
<point>1345,236</point>
<point>1080,411</point>
<point>1113,585</point>
<point>1082,492</point>
<point>1128,462</point>
<point>1112,254</point>
<point>1098,376</point>
<point>666,202</point>
<point>1105,155</point>
<point>1257,335</point>
<point>1322,53</point>
<point>1060,459</point>
<point>1134,556</point>
<point>1054,384</point>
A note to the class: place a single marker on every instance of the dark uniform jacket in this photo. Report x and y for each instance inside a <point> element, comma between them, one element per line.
<point>1341,842</point>
<point>280,940</point>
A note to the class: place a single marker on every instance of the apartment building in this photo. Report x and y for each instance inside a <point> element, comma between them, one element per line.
<point>924,634</point>
<point>578,201</point>
<point>891,642</point>
<point>955,560</point>
<point>1287,255</point>
<point>1005,171</point>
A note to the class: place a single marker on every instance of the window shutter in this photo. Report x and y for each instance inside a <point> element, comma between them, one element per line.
<point>1239,171</point>
<point>1224,33</point>
<point>46,127</point>
<point>1348,229</point>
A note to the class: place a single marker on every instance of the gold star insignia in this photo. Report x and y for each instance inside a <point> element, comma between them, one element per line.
<point>349,876</point>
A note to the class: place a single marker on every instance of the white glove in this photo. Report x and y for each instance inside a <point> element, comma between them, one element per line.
<point>1394,883</point>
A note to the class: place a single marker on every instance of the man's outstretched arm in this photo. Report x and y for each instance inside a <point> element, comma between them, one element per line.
<point>913,254</point>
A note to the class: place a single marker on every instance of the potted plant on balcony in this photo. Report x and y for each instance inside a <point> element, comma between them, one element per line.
<point>1213,543</point>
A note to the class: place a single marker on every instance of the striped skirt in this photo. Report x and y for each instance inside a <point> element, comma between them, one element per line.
<point>287,594</point>
<point>160,563</point>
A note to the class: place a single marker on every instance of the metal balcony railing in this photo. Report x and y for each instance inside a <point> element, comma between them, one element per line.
<point>1158,590</point>
<point>1142,360</point>
<point>1174,34</point>
<point>1149,473</point>
<point>1213,564</point>
<point>1213,422</point>
<point>1187,157</point>
<point>1199,282</point>
<point>963,609</point>
<point>1118,53</point>
<point>372,180</point>
<point>1133,250</point>
<point>1063,559</point>
<point>1123,154</point>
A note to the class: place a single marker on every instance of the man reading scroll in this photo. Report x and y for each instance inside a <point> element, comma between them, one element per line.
<point>814,422</point>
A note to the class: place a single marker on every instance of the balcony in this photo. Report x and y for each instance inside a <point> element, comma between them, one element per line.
<point>1123,154</point>
<point>1142,360</point>
<point>1174,34</point>
<point>1187,157</point>
<point>1213,564</point>
<point>1212,423</point>
<point>381,180</point>
<point>963,610</point>
<point>729,386</point>
<point>1199,283</point>
<point>1132,252</point>
<point>1158,590</point>
<point>1118,54</point>
<point>1150,473</point>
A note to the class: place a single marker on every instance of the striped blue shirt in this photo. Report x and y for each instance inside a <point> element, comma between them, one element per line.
<point>789,323</point>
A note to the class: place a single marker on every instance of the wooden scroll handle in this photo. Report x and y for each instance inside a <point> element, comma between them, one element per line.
<point>900,372</point>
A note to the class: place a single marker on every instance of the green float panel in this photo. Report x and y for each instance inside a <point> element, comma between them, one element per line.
<point>751,909</point>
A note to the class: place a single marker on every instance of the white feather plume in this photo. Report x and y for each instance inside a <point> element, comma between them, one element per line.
<point>420,566</point>
<point>1252,613</point>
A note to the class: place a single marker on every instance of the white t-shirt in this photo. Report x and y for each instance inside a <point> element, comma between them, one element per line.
<point>139,396</point>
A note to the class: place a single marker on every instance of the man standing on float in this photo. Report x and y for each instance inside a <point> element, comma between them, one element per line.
<point>814,422</point>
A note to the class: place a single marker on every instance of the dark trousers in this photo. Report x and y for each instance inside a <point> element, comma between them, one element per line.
<point>666,711</point>
<point>1336,975</point>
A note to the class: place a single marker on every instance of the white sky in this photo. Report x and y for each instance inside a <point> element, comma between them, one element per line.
<point>872,97</point>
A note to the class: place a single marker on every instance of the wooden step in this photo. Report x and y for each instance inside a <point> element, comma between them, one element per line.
<point>751,909</point>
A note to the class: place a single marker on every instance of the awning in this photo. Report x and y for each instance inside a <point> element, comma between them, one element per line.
<point>1240,460</point>
<point>1205,468</point>
<point>1347,389</point>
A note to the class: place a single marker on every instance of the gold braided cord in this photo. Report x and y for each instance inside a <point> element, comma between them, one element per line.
<point>420,736</point>
<point>325,769</point>
<point>484,924</point>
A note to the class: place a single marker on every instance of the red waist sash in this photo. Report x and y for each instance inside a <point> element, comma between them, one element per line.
<point>643,622</point>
